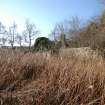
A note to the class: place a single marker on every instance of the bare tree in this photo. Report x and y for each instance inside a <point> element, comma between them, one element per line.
<point>2,28</point>
<point>30,33</point>
<point>3,33</point>
<point>19,39</point>
<point>12,34</point>
<point>3,40</point>
<point>59,34</point>
<point>62,35</point>
<point>73,27</point>
<point>55,33</point>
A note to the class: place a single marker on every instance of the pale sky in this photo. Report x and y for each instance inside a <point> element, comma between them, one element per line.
<point>46,13</point>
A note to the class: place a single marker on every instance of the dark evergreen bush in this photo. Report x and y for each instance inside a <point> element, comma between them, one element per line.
<point>42,44</point>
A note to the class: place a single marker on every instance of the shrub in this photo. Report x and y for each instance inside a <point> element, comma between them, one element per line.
<point>42,44</point>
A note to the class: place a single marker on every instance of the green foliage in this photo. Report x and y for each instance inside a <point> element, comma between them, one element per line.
<point>42,44</point>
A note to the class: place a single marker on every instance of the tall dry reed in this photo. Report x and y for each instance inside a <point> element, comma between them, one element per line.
<point>31,79</point>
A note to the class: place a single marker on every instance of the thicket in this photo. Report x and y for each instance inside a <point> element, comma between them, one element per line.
<point>76,35</point>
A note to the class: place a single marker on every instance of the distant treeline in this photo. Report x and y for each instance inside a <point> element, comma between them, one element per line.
<point>71,33</point>
<point>74,34</point>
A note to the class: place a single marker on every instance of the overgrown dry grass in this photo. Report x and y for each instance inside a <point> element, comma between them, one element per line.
<point>30,79</point>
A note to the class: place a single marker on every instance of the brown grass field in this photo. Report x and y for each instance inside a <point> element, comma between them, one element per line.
<point>32,79</point>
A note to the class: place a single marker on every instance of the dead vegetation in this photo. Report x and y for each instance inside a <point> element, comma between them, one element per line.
<point>30,79</point>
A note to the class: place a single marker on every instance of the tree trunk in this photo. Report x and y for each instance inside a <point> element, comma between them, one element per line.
<point>30,45</point>
<point>12,46</point>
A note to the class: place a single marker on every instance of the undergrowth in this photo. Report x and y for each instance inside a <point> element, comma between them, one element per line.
<point>31,79</point>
